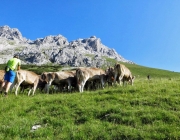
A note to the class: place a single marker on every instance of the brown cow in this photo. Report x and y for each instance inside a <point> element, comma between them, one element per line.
<point>40,86</point>
<point>89,74</point>
<point>122,73</point>
<point>58,78</point>
<point>2,72</point>
<point>26,77</point>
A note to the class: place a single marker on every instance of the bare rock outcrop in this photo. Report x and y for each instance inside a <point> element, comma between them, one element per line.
<point>55,50</point>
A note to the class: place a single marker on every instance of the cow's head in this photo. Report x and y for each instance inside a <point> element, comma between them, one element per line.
<point>109,74</point>
<point>43,76</point>
<point>47,76</point>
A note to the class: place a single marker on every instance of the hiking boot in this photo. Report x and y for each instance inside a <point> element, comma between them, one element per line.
<point>5,94</point>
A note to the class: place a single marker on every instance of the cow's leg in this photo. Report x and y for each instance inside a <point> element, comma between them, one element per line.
<point>47,88</point>
<point>69,86</point>
<point>82,87</point>
<point>115,76</point>
<point>17,87</point>
<point>79,86</point>
<point>34,87</point>
<point>120,79</point>
<point>29,91</point>
<point>83,84</point>
<point>12,86</point>
<point>124,82</point>
<point>102,83</point>
<point>48,85</point>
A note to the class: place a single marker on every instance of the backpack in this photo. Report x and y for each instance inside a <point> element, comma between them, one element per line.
<point>7,69</point>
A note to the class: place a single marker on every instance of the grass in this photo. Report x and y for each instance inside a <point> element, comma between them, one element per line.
<point>147,110</point>
<point>150,109</point>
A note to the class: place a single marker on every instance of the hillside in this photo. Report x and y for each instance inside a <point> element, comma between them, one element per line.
<point>142,71</point>
<point>149,109</point>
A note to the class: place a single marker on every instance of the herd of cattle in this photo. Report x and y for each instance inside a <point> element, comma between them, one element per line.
<point>76,79</point>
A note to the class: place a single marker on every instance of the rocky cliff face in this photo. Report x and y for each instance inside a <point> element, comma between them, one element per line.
<point>55,49</point>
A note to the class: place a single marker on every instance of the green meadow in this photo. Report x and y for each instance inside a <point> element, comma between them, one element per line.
<point>148,110</point>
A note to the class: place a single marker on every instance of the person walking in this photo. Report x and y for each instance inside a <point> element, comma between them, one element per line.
<point>10,73</point>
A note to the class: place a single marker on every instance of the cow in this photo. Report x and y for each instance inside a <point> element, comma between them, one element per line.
<point>26,77</point>
<point>89,74</point>
<point>93,84</point>
<point>122,73</point>
<point>58,78</point>
<point>40,86</point>
<point>2,73</point>
<point>109,76</point>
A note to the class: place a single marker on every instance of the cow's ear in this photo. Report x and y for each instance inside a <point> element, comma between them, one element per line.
<point>49,76</point>
<point>42,76</point>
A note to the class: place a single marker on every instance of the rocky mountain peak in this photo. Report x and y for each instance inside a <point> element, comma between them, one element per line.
<point>11,34</point>
<point>52,40</point>
<point>55,49</point>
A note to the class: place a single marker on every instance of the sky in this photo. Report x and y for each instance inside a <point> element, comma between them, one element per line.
<point>146,32</point>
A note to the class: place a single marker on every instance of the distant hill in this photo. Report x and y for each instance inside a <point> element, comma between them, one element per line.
<point>56,50</point>
<point>140,72</point>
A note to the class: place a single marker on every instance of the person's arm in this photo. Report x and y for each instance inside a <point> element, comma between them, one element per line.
<point>19,65</point>
<point>18,68</point>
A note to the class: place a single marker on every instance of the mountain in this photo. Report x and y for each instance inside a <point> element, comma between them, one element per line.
<point>55,50</point>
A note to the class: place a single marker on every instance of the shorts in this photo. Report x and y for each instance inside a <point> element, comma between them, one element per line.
<point>10,76</point>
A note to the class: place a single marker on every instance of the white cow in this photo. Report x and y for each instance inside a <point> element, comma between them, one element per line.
<point>27,78</point>
<point>122,73</point>
<point>88,74</point>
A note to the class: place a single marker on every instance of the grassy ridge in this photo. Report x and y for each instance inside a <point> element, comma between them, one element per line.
<point>137,70</point>
<point>143,71</point>
<point>148,110</point>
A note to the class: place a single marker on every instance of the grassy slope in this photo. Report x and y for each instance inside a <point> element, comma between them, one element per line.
<point>147,110</point>
<point>142,71</point>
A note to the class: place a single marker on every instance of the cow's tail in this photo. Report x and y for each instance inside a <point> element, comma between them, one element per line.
<point>79,74</point>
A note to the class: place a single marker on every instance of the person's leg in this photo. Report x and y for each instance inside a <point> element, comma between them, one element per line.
<point>9,82</point>
<point>3,85</point>
<point>7,86</point>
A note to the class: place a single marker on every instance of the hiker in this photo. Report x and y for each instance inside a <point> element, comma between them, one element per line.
<point>10,73</point>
